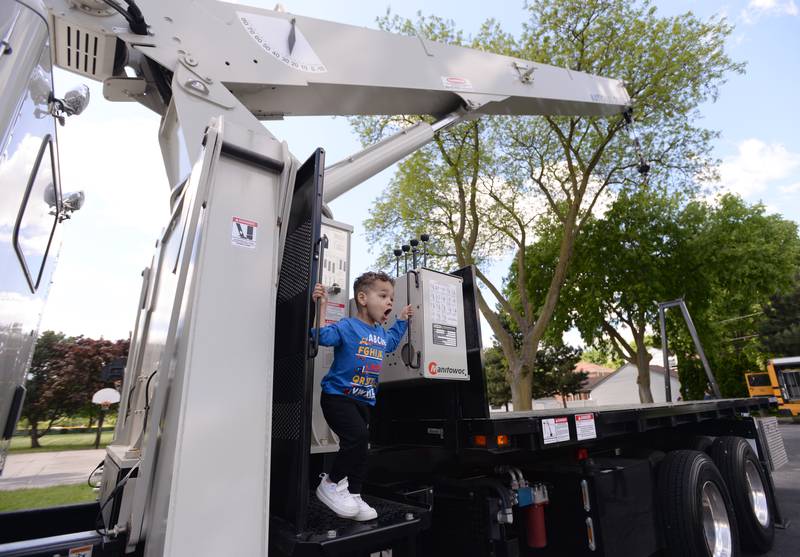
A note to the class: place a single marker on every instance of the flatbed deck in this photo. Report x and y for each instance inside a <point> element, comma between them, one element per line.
<point>535,430</point>
<point>546,428</point>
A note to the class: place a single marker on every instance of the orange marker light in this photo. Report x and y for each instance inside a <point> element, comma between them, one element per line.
<point>479,440</point>
<point>502,440</point>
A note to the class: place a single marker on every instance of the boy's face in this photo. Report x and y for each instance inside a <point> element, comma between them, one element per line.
<point>377,299</point>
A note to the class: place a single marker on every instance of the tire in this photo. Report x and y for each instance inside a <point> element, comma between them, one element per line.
<point>701,443</point>
<point>747,484</point>
<point>692,496</point>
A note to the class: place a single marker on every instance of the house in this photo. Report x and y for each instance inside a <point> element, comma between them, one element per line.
<point>594,374</point>
<point>620,387</point>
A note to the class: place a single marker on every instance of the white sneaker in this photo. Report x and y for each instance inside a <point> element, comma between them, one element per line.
<point>336,497</point>
<point>365,512</point>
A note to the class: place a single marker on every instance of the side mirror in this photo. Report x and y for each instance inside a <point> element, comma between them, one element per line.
<point>74,102</point>
<point>71,202</point>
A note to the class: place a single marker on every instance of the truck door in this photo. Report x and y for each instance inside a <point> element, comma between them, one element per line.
<point>294,357</point>
<point>30,199</point>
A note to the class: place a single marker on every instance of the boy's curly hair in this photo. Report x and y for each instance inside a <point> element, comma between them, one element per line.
<point>365,281</point>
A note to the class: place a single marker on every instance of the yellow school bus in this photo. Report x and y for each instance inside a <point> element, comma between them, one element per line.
<point>782,381</point>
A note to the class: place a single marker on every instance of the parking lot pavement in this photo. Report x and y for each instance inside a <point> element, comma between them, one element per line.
<point>787,485</point>
<point>49,468</point>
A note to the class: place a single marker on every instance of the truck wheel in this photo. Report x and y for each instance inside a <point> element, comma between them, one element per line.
<point>695,509</point>
<point>701,443</point>
<point>747,484</point>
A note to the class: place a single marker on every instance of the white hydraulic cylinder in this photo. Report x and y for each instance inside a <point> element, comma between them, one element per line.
<point>353,170</point>
<point>350,172</point>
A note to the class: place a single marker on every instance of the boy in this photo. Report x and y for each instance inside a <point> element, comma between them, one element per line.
<point>350,387</point>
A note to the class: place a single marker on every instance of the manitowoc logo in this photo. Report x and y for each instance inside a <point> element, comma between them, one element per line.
<point>434,369</point>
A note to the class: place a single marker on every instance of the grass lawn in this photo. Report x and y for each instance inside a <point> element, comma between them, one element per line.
<point>35,498</point>
<point>60,442</point>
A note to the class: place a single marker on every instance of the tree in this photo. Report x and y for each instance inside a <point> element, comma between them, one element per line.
<point>603,355</point>
<point>496,369</point>
<point>42,402</point>
<point>780,329</point>
<point>64,374</point>
<point>481,197</point>
<point>555,372</point>
<point>626,262</point>
<point>82,366</point>
<point>744,255</point>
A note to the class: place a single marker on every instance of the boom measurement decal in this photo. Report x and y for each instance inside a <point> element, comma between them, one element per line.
<point>282,39</point>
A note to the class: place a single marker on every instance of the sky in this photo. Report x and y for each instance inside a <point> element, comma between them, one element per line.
<point>108,243</point>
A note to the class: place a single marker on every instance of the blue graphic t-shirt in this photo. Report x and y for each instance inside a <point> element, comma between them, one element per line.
<point>358,356</point>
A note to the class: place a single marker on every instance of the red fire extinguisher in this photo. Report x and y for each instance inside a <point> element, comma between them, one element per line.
<point>534,518</point>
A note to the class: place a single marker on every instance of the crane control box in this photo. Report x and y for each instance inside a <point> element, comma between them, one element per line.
<point>435,346</point>
<point>336,280</point>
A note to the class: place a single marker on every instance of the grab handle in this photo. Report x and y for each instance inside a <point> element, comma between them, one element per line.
<point>319,251</point>
<point>406,353</point>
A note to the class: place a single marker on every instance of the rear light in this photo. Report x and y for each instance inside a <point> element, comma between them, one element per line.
<point>590,533</point>
<point>502,441</point>
<point>479,440</point>
<point>587,504</point>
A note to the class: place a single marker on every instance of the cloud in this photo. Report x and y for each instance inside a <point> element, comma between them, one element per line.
<point>791,188</point>
<point>756,166</point>
<point>757,9</point>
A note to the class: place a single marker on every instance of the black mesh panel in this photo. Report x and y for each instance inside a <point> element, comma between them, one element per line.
<point>293,370</point>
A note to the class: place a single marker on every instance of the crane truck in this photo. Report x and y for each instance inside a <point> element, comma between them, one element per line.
<point>221,332</point>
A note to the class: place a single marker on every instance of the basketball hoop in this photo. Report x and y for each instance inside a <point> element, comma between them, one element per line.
<point>105,398</point>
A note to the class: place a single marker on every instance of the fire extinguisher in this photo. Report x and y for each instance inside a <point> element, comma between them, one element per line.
<point>534,518</point>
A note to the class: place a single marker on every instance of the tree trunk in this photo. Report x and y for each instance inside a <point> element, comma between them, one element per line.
<point>643,358</point>
<point>99,428</point>
<point>91,422</point>
<point>34,435</point>
<point>521,388</point>
<point>564,400</point>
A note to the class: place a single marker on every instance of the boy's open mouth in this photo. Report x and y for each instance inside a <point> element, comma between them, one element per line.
<point>387,313</point>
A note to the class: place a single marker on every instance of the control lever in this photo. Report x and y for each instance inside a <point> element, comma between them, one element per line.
<point>319,251</point>
<point>397,254</point>
<point>424,238</point>
<point>408,349</point>
<point>414,251</point>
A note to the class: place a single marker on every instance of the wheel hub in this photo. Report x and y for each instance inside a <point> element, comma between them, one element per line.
<point>756,493</point>
<point>716,526</point>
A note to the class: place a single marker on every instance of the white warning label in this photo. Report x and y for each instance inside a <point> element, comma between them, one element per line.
<point>243,232</point>
<point>334,311</point>
<point>455,83</point>
<point>584,426</point>
<point>443,303</point>
<point>555,430</point>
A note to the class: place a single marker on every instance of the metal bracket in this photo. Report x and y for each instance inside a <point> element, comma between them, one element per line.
<point>198,86</point>
<point>474,101</point>
<point>525,72</point>
<point>662,308</point>
<point>124,89</point>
